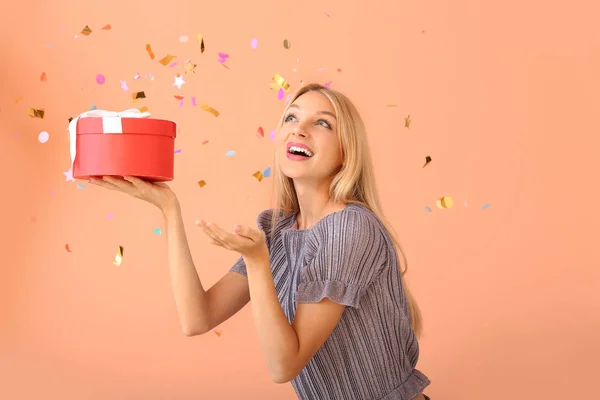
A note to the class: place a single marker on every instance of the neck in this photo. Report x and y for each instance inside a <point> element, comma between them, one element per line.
<point>314,202</point>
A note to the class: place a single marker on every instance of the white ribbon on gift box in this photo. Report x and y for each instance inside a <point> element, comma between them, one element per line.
<point>111,124</point>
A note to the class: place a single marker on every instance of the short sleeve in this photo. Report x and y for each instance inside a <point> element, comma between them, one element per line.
<point>351,251</point>
<point>264,224</point>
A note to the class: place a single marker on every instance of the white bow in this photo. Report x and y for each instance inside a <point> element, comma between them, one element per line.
<point>109,123</point>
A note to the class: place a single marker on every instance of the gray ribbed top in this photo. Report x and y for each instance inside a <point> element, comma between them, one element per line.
<point>349,258</point>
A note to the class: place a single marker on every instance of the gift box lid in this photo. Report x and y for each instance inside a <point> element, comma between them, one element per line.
<point>144,126</point>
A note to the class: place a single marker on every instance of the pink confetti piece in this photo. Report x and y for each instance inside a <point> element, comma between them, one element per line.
<point>137,76</point>
<point>322,69</point>
<point>173,64</point>
<point>328,84</point>
<point>177,151</point>
<point>205,142</point>
<point>110,216</point>
<point>223,55</point>
<point>100,79</point>
<point>194,101</point>
<point>254,43</point>
<point>181,103</point>
<point>69,175</point>
<point>273,134</point>
<point>289,96</point>
<point>280,94</point>
<point>328,15</point>
<point>124,86</point>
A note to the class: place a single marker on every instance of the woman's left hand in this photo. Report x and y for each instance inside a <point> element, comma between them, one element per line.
<point>249,242</point>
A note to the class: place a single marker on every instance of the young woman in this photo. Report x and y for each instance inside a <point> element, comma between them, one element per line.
<point>331,308</point>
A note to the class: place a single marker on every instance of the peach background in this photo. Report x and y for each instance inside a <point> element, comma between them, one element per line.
<point>502,96</point>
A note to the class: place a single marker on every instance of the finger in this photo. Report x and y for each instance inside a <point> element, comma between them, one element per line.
<point>246,232</point>
<point>223,236</point>
<point>101,183</point>
<point>211,235</point>
<point>137,182</point>
<point>121,184</point>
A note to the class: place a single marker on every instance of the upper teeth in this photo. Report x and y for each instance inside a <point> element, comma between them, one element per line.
<point>301,149</point>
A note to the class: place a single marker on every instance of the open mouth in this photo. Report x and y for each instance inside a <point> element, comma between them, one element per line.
<point>297,150</point>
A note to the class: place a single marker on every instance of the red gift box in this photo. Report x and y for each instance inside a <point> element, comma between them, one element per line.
<point>120,146</point>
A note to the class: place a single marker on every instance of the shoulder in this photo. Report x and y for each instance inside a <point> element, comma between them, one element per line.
<point>355,223</point>
<point>266,218</point>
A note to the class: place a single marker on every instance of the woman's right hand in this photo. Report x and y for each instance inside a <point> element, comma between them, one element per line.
<point>157,193</point>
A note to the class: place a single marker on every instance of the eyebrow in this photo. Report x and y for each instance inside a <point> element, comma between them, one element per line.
<point>318,112</point>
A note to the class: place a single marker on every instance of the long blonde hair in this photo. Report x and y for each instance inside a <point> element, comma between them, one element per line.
<point>354,183</point>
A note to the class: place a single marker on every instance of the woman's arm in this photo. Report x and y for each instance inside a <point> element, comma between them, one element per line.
<point>287,348</point>
<point>199,310</point>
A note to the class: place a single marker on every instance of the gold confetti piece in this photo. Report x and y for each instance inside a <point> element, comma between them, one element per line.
<point>427,161</point>
<point>211,110</point>
<point>35,113</point>
<point>143,109</point>
<point>150,52</point>
<point>18,99</point>
<point>86,31</point>
<point>218,333</point>
<point>258,175</point>
<point>138,95</point>
<point>287,44</point>
<point>281,82</point>
<point>407,122</point>
<point>201,42</point>
<point>391,105</point>
<point>44,77</point>
<point>189,67</point>
<point>119,256</point>
<point>201,183</point>
<point>445,202</point>
<point>106,27</point>
<point>167,59</point>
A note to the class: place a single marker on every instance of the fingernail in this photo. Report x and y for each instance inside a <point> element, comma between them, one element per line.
<point>237,228</point>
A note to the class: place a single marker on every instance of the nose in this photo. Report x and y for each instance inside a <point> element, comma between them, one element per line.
<point>298,132</point>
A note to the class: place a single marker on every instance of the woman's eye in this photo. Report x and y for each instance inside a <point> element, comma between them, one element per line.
<point>324,123</point>
<point>288,118</point>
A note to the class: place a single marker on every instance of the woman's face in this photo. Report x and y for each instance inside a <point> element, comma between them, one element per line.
<point>308,142</point>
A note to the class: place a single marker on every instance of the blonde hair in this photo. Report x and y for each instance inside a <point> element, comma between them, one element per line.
<point>355,181</point>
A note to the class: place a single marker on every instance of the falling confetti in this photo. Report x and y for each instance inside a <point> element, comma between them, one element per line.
<point>80,186</point>
<point>327,84</point>
<point>93,107</point>
<point>18,99</point>
<point>178,97</point>
<point>194,101</point>
<point>339,70</point>
<point>67,248</point>
<point>201,183</point>
<point>254,43</point>
<point>173,64</point>
<point>35,113</point>
<point>110,216</point>
<point>209,109</point>
<point>280,94</point>
<point>100,79</point>
<point>427,161</point>
<point>177,151</point>
<point>69,175</point>
<point>267,172</point>
<point>272,134</point>
<point>260,132</point>
<point>106,27</point>
<point>43,77</point>
<point>287,44</point>
<point>43,137</point>
<point>86,31</point>
<point>258,175</point>
<point>119,256</point>
<point>201,42</point>
<point>485,206</point>
<point>167,59</point>
<point>328,15</point>
<point>150,52</point>
<point>124,86</point>
<point>143,109</point>
<point>407,122</point>
<point>428,210</point>
<point>184,38</point>
<point>138,95</point>
<point>445,202</point>
<point>206,141</point>
<point>136,77</point>
<point>189,67</point>
<point>281,82</point>
<point>223,57</point>
<point>157,231</point>
<point>178,81</point>
<point>230,153</point>
<point>218,333</point>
